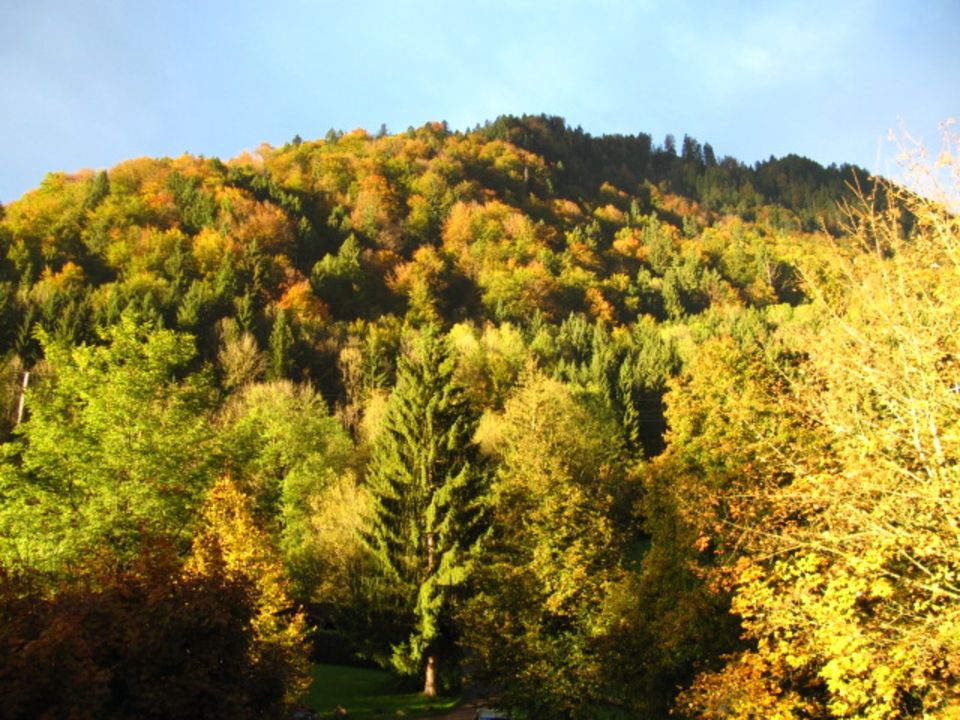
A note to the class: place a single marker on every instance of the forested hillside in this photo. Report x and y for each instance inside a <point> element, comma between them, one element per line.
<point>611,427</point>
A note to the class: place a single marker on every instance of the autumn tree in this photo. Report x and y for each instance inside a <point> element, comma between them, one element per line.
<point>230,540</point>
<point>554,552</point>
<point>145,641</point>
<point>848,592</point>
<point>427,489</point>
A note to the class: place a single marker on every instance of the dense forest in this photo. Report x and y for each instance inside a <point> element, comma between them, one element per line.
<point>612,428</point>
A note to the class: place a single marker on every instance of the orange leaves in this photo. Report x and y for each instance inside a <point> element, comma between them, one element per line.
<point>146,175</point>
<point>749,687</point>
<point>491,234</point>
<point>584,256</point>
<point>628,242</point>
<point>466,225</point>
<point>702,543</point>
<point>610,214</point>
<point>600,308</point>
<point>306,307</point>
<point>377,212</point>
<point>567,211</point>
<point>257,222</point>
<point>71,278</point>
<point>681,206</point>
<point>423,281</point>
<point>426,266</point>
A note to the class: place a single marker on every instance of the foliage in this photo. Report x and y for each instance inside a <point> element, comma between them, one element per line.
<point>426,484</point>
<point>230,538</point>
<point>117,445</point>
<point>530,215</point>
<point>292,458</point>
<point>704,394</point>
<point>149,641</point>
<point>850,595</point>
<point>551,557</point>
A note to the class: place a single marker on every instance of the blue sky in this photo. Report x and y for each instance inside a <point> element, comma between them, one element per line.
<point>88,83</point>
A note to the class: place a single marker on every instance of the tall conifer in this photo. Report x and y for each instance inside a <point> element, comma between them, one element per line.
<point>427,490</point>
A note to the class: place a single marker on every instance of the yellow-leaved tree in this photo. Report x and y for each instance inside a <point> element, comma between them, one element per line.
<point>849,590</point>
<point>230,539</point>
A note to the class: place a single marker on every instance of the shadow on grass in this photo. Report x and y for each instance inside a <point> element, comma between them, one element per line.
<point>369,694</point>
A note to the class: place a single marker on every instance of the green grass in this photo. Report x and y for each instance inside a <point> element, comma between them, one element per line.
<point>369,694</point>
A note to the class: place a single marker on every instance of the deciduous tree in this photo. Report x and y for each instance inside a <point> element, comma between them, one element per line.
<point>553,554</point>
<point>117,444</point>
<point>849,590</point>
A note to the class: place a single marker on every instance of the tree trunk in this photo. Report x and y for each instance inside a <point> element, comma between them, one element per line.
<point>23,396</point>
<point>430,674</point>
<point>430,553</point>
<point>430,677</point>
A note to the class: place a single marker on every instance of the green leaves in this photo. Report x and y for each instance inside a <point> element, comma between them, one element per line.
<point>117,444</point>
<point>283,447</point>
<point>427,494</point>
<point>552,555</point>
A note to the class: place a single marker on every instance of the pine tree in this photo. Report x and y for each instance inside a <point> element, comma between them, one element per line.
<point>428,500</point>
<point>280,344</point>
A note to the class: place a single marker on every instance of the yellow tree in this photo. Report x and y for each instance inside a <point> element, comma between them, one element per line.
<point>858,589</point>
<point>230,540</point>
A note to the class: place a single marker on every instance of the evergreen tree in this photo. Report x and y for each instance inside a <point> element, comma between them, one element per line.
<point>280,344</point>
<point>428,503</point>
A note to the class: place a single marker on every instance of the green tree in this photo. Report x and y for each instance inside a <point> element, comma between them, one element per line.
<point>628,372</point>
<point>196,208</point>
<point>116,445</point>
<point>338,279</point>
<point>427,490</point>
<point>287,453</point>
<point>554,553</point>
<point>281,343</point>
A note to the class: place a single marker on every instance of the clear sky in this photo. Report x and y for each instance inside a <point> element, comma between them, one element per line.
<point>88,83</point>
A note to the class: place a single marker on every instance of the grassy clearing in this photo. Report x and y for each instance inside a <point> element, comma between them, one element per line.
<point>369,694</point>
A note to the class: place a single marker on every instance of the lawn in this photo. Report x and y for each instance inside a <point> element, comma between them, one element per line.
<point>369,694</point>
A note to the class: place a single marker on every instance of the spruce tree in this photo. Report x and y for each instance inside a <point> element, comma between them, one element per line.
<point>428,500</point>
<point>280,344</point>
